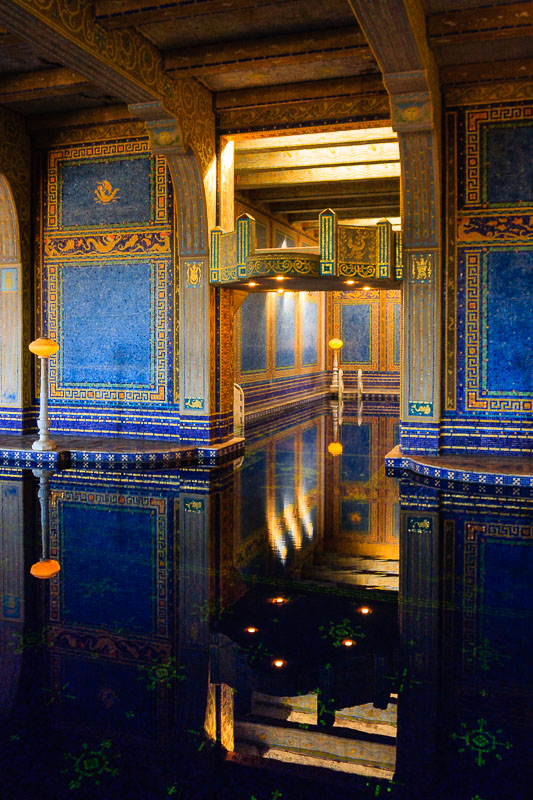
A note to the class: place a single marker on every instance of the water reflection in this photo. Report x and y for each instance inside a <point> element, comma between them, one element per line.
<point>250,630</point>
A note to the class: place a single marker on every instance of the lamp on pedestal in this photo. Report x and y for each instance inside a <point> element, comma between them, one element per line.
<point>44,348</point>
<point>335,345</point>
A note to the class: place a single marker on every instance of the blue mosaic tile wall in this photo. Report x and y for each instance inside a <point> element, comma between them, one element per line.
<point>309,334</point>
<point>108,290</point>
<point>107,296</point>
<point>279,347</point>
<point>488,376</point>
<point>254,333</point>
<point>356,333</point>
<point>369,325</point>
<point>285,333</point>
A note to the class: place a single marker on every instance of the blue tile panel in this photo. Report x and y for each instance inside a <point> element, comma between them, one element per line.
<point>397,319</point>
<point>507,323</point>
<point>104,191</point>
<point>108,329</point>
<point>490,267</point>
<point>253,333</point>
<point>356,333</point>
<point>309,321</point>
<point>109,294</point>
<point>285,333</point>
<point>509,166</point>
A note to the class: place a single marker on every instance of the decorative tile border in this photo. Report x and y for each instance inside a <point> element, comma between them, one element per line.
<point>207,456</point>
<point>397,464</point>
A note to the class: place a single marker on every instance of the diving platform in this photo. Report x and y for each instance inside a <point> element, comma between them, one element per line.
<point>347,257</point>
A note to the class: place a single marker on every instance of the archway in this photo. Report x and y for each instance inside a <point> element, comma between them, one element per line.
<point>11,359</point>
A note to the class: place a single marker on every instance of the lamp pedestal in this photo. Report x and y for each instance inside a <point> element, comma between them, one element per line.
<point>335,380</point>
<point>43,443</point>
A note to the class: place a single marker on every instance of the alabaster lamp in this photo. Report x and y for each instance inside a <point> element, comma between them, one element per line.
<point>43,349</point>
<point>335,345</point>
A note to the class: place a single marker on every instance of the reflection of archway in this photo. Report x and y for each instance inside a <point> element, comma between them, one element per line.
<point>10,302</point>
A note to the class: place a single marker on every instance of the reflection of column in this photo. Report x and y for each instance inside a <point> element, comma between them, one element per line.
<point>418,709</point>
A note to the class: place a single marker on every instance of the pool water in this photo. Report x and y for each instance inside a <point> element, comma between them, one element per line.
<point>292,625</point>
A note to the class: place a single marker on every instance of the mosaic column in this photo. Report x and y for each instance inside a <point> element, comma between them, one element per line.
<point>396,33</point>
<point>205,313</point>
<point>420,377</point>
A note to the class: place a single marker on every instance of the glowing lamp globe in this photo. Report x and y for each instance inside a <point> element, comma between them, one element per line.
<point>335,448</point>
<point>335,344</point>
<point>43,347</point>
<point>46,568</point>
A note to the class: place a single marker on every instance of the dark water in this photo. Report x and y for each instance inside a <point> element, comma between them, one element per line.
<point>388,650</point>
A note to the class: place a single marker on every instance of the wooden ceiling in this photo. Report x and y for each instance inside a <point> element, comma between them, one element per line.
<point>279,66</point>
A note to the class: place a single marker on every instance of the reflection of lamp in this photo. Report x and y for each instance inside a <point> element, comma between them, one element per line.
<point>46,567</point>
<point>335,447</point>
<point>335,345</point>
<point>44,348</point>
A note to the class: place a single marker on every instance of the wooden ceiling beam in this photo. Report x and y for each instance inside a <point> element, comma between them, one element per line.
<point>318,205</point>
<point>328,155</point>
<point>129,13</point>
<point>285,49</point>
<point>103,115</point>
<point>474,24</point>
<point>306,90</point>
<point>487,73</point>
<point>323,191</point>
<point>41,83</point>
<point>392,210</point>
<point>353,172</point>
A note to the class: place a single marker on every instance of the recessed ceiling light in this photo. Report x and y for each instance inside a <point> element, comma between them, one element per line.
<point>252,283</point>
<point>280,277</point>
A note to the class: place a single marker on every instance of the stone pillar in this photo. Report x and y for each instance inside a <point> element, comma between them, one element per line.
<point>396,32</point>
<point>205,313</point>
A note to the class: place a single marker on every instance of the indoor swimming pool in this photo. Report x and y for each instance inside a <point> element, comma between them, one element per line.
<point>292,625</point>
